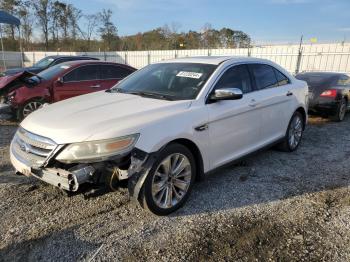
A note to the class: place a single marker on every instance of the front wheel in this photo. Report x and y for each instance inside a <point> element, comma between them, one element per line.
<point>29,107</point>
<point>169,181</point>
<point>294,133</point>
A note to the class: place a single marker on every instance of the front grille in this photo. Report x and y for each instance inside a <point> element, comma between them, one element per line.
<point>31,149</point>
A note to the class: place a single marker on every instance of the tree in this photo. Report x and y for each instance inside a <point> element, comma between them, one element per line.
<point>27,20</point>
<point>108,30</point>
<point>43,11</point>
<point>90,25</point>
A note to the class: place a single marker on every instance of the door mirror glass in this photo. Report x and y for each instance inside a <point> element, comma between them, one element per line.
<point>226,94</point>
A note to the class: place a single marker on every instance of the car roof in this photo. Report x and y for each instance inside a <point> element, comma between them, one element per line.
<point>321,73</point>
<point>71,56</point>
<point>82,62</point>
<point>215,60</point>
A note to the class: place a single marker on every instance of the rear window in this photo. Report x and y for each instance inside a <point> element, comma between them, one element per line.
<point>315,80</point>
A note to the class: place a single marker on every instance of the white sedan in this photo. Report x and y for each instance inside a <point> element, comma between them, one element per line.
<point>164,127</point>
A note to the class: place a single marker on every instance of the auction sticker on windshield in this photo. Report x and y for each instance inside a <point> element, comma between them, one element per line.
<point>189,74</point>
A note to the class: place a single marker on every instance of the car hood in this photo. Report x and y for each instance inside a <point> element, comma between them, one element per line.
<point>11,82</point>
<point>99,115</point>
<point>19,70</point>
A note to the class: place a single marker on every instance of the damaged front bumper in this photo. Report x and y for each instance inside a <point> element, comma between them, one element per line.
<point>71,178</point>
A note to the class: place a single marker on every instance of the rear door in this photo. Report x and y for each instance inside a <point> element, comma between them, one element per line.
<point>274,99</point>
<point>112,74</point>
<point>81,80</point>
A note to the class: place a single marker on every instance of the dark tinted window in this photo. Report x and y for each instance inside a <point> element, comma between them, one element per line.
<point>343,80</point>
<point>314,79</point>
<point>281,78</point>
<point>236,77</point>
<point>114,72</point>
<point>264,76</point>
<point>83,73</point>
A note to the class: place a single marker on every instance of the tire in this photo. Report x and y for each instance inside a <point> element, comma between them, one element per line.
<point>296,128</point>
<point>29,107</point>
<point>164,192</point>
<point>341,111</point>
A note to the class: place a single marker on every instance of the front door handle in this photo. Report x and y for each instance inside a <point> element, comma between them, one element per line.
<point>253,103</point>
<point>289,93</point>
<point>95,86</point>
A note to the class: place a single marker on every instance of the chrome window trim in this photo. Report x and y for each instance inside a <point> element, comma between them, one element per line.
<point>237,64</point>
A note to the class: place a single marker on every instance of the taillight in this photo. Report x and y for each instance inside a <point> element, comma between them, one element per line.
<point>329,93</point>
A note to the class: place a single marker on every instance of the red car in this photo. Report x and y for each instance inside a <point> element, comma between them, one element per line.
<point>26,92</point>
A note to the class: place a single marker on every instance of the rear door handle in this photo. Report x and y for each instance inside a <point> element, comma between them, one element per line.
<point>95,86</point>
<point>289,93</point>
<point>253,103</point>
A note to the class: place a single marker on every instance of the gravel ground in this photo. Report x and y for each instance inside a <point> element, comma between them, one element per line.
<point>271,206</point>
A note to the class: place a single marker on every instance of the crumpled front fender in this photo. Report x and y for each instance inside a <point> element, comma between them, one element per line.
<point>141,165</point>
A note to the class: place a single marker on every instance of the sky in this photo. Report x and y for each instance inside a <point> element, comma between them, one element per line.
<point>266,21</point>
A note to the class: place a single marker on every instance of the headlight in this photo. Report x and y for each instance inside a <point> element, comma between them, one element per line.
<point>95,151</point>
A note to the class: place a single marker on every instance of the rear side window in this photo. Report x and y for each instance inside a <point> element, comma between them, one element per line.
<point>264,76</point>
<point>114,72</point>
<point>281,78</point>
<point>236,77</point>
<point>83,73</point>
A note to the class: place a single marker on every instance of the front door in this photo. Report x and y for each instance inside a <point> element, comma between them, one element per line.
<point>234,125</point>
<point>79,81</point>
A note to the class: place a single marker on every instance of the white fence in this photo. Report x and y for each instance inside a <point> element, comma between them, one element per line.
<point>317,57</point>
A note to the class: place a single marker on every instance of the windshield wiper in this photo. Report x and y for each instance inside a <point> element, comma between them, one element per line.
<point>152,95</point>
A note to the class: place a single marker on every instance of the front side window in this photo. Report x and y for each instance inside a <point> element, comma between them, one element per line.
<point>264,76</point>
<point>83,73</point>
<point>114,72</point>
<point>236,77</point>
<point>173,81</point>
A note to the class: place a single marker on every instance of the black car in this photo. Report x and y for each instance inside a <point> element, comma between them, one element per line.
<point>328,93</point>
<point>45,63</point>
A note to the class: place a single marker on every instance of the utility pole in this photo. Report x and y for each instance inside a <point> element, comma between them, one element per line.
<point>300,53</point>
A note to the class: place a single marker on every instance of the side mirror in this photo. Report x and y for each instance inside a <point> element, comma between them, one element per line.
<point>59,81</point>
<point>226,94</point>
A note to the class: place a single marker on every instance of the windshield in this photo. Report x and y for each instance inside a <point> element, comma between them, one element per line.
<point>173,81</point>
<point>53,71</point>
<point>44,62</point>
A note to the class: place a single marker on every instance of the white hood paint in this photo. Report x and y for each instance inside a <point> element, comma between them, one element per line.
<point>99,115</point>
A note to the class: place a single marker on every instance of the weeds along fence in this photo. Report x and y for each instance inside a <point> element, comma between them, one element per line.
<point>316,57</point>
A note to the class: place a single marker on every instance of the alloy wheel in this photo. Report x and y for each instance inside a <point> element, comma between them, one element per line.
<point>31,107</point>
<point>295,132</point>
<point>171,180</point>
<point>342,110</point>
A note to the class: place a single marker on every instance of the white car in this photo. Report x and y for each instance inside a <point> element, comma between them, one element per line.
<point>164,127</point>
